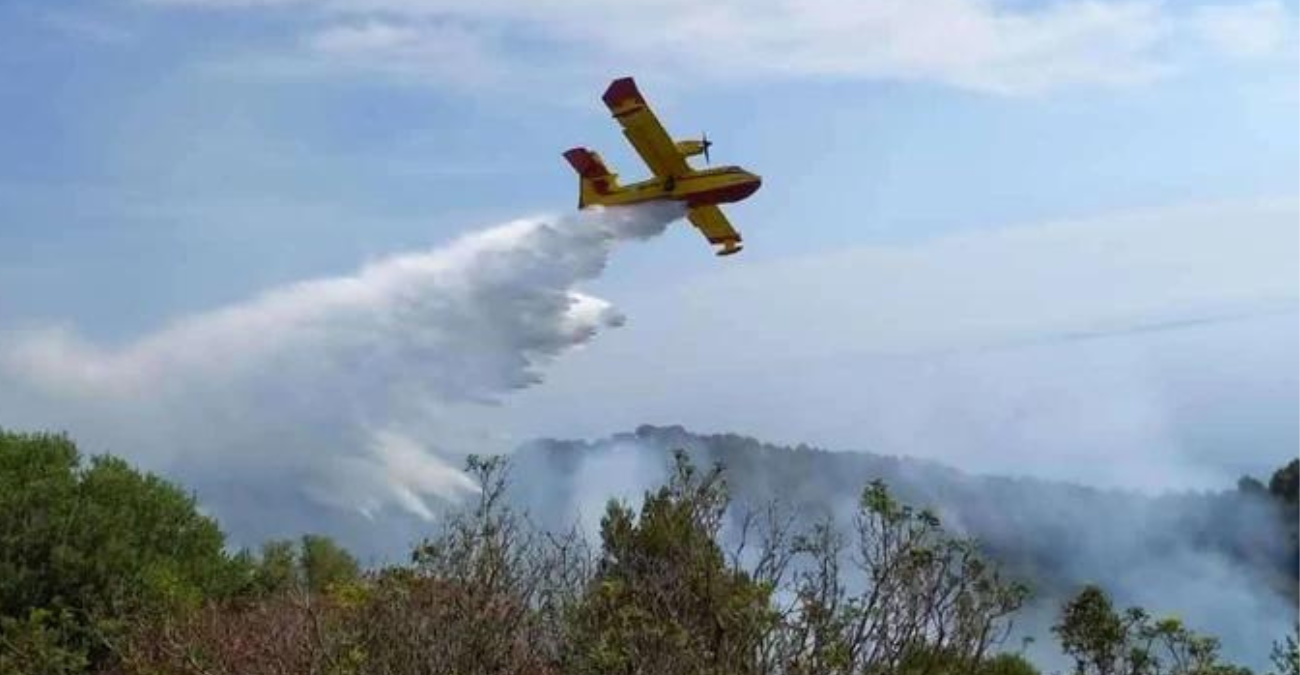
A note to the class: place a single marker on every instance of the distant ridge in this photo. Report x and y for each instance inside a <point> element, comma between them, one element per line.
<point>1226,561</point>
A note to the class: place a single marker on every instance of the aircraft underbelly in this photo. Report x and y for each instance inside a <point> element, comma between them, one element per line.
<point>692,195</point>
<point>723,195</point>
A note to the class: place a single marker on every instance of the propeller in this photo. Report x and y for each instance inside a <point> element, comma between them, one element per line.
<point>704,140</point>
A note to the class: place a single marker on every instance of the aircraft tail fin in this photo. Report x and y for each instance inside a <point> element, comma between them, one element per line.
<point>594,178</point>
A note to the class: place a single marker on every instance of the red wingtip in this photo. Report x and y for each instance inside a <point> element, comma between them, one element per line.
<point>620,90</point>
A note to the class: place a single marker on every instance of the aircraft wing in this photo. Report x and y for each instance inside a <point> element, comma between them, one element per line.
<point>643,129</point>
<point>715,227</point>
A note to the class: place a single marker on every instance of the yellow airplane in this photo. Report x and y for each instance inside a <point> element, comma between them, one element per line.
<point>674,179</point>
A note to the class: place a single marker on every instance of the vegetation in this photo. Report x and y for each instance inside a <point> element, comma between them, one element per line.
<point>1285,483</point>
<point>84,546</point>
<point>1058,535</point>
<point>1286,653</point>
<point>89,550</point>
<point>1102,641</point>
<point>106,570</point>
<point>663,598</point>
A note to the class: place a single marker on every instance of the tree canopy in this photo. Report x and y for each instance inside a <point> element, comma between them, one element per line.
<point>84,544</point>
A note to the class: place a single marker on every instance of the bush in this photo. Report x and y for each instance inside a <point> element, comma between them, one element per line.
<point>1103,641</point>
<point>83,548</point>
<point>42,643</point>
<point>664,599</point>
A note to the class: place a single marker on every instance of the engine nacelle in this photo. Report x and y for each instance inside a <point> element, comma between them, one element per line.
<point>692,148</point>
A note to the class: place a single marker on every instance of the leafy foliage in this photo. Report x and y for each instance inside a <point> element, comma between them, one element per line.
<point>929,602</point>
<point>313,564</point>
<point>39,644</point>
<point>1285,483</point>
<point>84,547</point>
<point>325,564</point>
<point>482,596</point>
<point>1286,654</point>
<point>663,599</point>
<point>1103,641</point>
<point>1006,664</point>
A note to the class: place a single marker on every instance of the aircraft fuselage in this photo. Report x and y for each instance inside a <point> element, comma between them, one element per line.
<point>721,185</point>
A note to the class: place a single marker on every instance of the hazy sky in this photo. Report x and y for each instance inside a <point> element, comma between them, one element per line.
<point>1054,237</point>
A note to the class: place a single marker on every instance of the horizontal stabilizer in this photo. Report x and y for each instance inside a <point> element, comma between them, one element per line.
<point>587,163</point>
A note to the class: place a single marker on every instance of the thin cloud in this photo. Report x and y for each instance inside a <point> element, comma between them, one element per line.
<point>438,52</point>
<point>968,44</point>
<point>1248,30</point>
<point>86,27</point>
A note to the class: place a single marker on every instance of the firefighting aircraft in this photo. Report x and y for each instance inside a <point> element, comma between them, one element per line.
<point>701,189</point>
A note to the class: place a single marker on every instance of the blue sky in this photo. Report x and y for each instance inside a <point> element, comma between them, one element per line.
<point>149,142</point>
<point>162,158</point>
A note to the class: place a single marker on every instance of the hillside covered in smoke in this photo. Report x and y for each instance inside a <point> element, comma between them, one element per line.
<point>1222,560</point>
<point>111,571</point>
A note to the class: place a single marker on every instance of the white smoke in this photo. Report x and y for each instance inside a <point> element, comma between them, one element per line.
<point>348,391</point>
<point>1214,559</point>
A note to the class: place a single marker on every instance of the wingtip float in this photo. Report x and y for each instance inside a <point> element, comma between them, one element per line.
<point>674,179</point>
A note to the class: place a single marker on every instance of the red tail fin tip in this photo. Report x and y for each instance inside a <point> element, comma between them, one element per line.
<point>586,163</point>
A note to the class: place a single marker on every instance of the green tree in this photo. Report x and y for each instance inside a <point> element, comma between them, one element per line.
<point>1286,654</point>
<point>1284,486</point>
<point>276,570</point>
<point>38,644</point>
<point>1092,633</point>
<point>314,563</point>
<point>325,564</point>
<point>1103,641</point>
<point>1006,664</point>
<point>1251,486</point>
<point>96,544</point>
<point>1285,483</point>
<point>929,603</point>
<point>663,599</point>
<point>483,597</point>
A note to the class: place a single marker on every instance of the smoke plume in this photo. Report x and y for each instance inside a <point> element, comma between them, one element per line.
<point>1220,561</point>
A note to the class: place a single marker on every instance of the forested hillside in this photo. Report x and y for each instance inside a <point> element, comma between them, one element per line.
<point>1031,525</point>
<point>106,570</point>
<point>1226,560</point>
